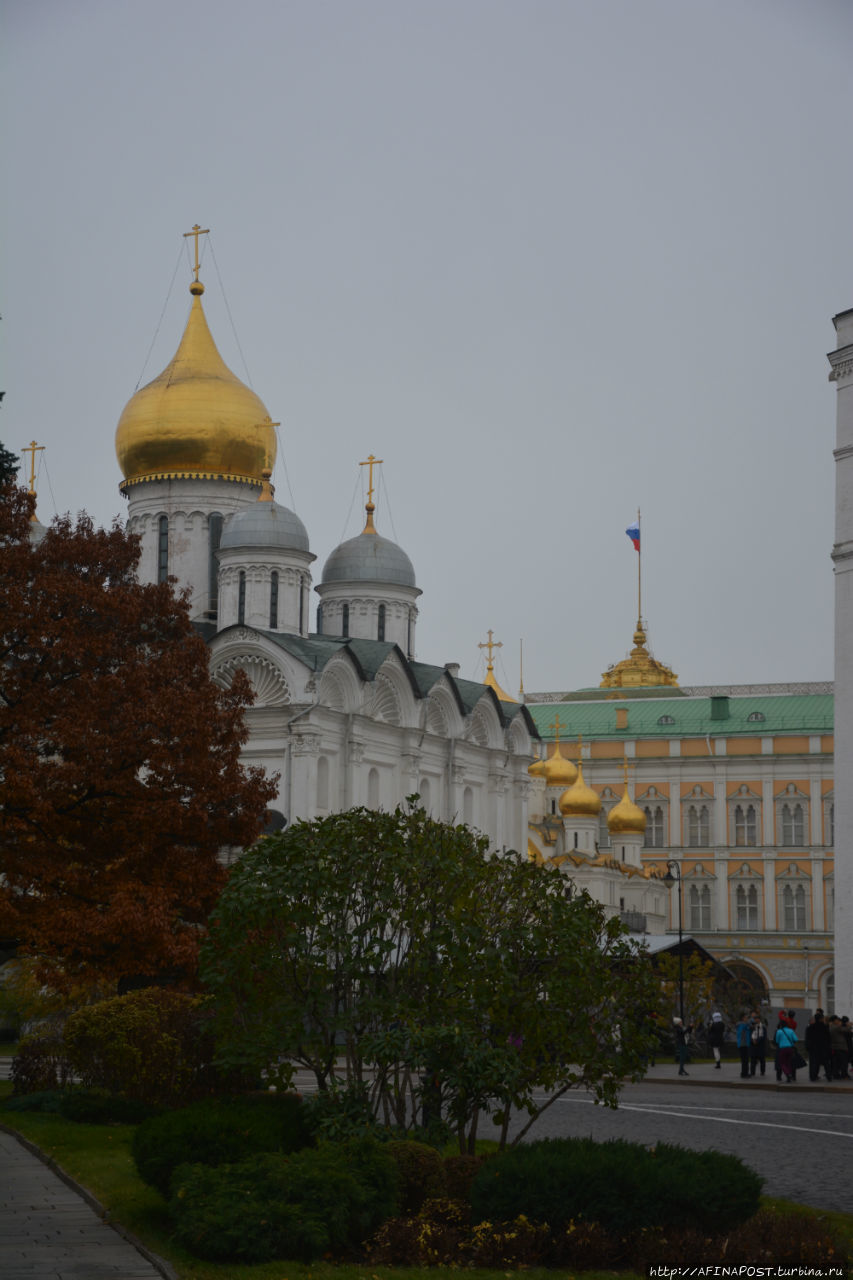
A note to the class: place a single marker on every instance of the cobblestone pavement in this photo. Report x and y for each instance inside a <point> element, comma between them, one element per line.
<point>48,1231</point>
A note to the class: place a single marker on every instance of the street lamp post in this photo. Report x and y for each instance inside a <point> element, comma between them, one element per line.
<point>673,876</point>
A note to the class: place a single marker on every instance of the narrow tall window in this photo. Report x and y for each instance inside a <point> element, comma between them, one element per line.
<point>745,825</point>
<point>793,827</point>
<point>241,599</point>
<point>794,907</point>
<point>163,549</point>
<point>831,824</point>
<point>345,621</point>
<point>301,606</point>
<point>698,825</point>
<point>410,651</point>
<point>274,600</point>
<point>214,537</point>
<point>654,827</point>
<point>319,619</point>
<point>746,905</point>
<point>380,625</point>
<point>373,789</point>
<point>700,907</point>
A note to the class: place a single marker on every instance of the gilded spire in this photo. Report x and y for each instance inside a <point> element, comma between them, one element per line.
<point>639,669</point>
<point>196,288</point>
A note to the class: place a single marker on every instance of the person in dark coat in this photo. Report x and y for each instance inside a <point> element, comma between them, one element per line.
<point>757,1044</point>
<point>817,1047</point>
<point>716,1036</point>
<point>682,1037</point>
<point>743,1032</point>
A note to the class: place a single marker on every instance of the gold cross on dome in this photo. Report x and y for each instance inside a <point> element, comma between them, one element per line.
<point>32,449</point>
<point>555,726</point>
<point>370,462</point>
<point>491,644</point>
<point>197,231</point>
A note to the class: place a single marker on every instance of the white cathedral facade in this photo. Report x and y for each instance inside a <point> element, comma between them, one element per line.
<point>346,714</point>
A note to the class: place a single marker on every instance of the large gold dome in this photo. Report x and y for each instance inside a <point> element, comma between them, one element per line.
<point>626,816</point>
<point>197,419</point>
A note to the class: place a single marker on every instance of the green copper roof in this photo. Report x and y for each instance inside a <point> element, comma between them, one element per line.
<point>760,716</point>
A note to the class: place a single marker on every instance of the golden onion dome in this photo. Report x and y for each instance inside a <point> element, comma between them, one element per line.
<point>640,669</point>
<point>537,769</point>
<point>580,801</point>
<point>197,419</point>
<point>558,771</point>
<point>626,816</point>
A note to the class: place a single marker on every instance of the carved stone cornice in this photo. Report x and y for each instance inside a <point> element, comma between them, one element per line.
<point>842,364</point>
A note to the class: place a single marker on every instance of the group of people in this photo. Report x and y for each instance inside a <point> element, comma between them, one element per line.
<point>828,1042</point>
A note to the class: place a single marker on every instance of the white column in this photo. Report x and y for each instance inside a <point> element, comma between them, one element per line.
<point>841,361</point>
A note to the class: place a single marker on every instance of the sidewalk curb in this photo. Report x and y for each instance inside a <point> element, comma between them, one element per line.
<point>751,1084</point>
<point>95,1205</point>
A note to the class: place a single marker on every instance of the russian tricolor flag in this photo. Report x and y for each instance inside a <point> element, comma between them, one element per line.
<point>634,534</point>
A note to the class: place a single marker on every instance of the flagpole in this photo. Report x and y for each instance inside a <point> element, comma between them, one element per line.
<point>639,572</point>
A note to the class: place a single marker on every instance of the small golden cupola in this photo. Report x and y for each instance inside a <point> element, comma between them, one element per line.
<point>626,816</point>
<point>537,769</point>
<point>580,801</point>
<point>558,771</point>
<point>197,419</point>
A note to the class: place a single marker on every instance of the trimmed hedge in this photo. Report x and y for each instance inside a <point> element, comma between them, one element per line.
<point>217,1131</point>
<point>274,1207</point>
<point>621,1185</point>
<point>151,1045</point>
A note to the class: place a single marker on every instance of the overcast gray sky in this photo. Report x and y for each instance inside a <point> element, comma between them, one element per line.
<point>552,261</point>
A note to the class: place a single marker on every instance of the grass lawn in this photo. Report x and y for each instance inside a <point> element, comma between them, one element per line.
<point>98,1157</point>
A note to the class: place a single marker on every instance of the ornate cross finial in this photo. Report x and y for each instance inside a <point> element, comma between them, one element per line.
<point>32,449</point>
<point>555,726</point>
<point>197,231</point>
<point>491,644</point>
<point>369,506</point>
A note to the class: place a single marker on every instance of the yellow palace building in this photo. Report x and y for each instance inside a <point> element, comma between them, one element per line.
<point>729,789</point>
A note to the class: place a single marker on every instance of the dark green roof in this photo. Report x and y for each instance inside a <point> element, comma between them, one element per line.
<point>800,713</point>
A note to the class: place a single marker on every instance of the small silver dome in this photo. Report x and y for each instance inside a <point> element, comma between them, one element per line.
<point>369,558</point>
<point>264,524</point>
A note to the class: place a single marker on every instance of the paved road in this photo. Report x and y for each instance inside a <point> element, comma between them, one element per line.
<point>799,1137</point>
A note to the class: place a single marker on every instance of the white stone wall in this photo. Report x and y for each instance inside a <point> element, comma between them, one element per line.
<point>363,600</point>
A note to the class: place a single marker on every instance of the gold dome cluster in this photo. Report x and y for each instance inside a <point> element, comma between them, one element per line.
<point>196,419</point>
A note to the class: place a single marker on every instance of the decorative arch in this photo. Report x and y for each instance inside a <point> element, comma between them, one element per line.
<point>483,726</point>
<point>267,680</point>
<point>339,687</point>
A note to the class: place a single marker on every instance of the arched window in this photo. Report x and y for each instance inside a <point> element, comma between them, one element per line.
<point>700,907</point>
<point>794,907</point>
<point>745,825</point>
<point>163,549</point>
<point>274,600</point>
<point>654,827</point>
<point>792,824</point>
<point>698,826</point>
<point>214,537</point>
<point>373,789</point>
<point>319,619</point>
<point>322,783</point>
<point>345,621</point>
<point>241,598</point>
<point>423,791</point>
<point>301,606</point>
<point>746,907</point>
<point>380,623</point>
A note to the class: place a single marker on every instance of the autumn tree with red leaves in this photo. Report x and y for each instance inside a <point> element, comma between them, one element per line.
<point>120,776</point>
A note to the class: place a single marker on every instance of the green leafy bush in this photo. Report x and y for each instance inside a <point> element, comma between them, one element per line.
<point>459,1173</point>
<point>86,1107</point>
<point>621,1185</point>
<point>152,1045</point>
<point>46,1100</point>
<point>40,1064</point>
<point>274,1206</point>
<point>421,1173</point>
<point>341,1111</point>
<point>217,1131</point>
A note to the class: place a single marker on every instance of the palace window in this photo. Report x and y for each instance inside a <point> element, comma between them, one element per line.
<point>699,905</point>
<point>746,907</point>
<point>794,908</point>
<point>793,827</point>
<point>698,826</point>
<point>655,827</point>
<point>746,825</point>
